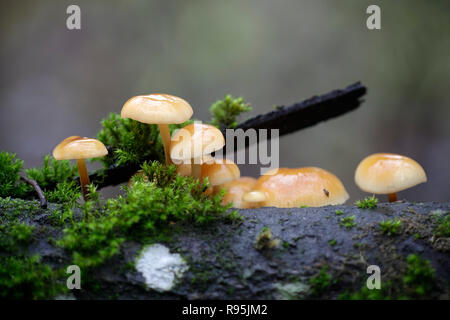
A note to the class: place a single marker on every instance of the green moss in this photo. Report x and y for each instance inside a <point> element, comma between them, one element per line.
<point>66,193</point>
<point>320,282</point>
<point>347,222</point>
<point>332,242</point>
<point>338,212</point>
<point>265,240</point>
<point>10,184</point>
<point>419,277</point>
<point>52,172</point>
<point>417,281</point>
<point>129,141</point>
<point>367,203</point>
<point>224,112</point>
<point>28,278</point>
<point>13,235</point>
<point>145,212</point>
<point>11,208</point>
<point>390,227</point>
<point>442,224</point>
<point>367,294</point>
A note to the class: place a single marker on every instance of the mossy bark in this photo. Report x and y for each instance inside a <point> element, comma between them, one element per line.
<point>225,264</point>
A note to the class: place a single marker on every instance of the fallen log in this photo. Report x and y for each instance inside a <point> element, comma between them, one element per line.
<point>292,253</point>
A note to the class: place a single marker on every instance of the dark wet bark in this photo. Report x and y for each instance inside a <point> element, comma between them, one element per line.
<point>224,262</point>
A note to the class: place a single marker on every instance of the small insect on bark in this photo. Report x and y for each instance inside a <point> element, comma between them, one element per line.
<point>326,192</point>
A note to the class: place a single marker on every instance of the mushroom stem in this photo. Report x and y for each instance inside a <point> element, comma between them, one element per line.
<point>165,136</point>
<point>84,178</point>
<point>392,197</point>
<point>254,196</point>
<point>196,168</point>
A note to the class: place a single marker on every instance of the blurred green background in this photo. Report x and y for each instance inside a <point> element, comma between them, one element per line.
<point>56,82</point>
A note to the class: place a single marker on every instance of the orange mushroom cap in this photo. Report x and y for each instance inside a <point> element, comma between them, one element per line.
<point>385,173</point>
<point>75,147</point>
<point>288,187</point>
<point>157,108</point>
<point>195,140</point>
<point>235,190</point>
<point>220,171</point>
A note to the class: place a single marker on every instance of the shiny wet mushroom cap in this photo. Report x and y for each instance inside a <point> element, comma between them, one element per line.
<point>309,186</point>
<point>191,143</point>
<point>387,173</point>
<point>220,171</point>
<point>160,109</point>
<point>80,148</point>
<point>235,190</point>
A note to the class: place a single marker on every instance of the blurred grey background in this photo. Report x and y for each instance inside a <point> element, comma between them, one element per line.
<point>56,82</point>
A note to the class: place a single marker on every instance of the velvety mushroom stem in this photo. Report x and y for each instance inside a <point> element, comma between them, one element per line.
<point>165,136</point>
<point>84,178</point>
<point>392,197</point>
<point>254,196</point>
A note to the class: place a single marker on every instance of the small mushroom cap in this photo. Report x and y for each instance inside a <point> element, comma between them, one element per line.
<point>76,147</point>
<point>220,171</point>
<point>195,140</point>
<point>384,173</point>
<point>309,186</point>
<point>157,109</point>
<point>235,191</point>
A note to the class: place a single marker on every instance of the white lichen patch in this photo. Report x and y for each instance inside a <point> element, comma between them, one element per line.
<point>159,267</point>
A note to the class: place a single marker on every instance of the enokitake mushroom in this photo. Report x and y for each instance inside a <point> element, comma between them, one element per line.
<point>160,109</point>
<point>287,188</point>
<point>191,143</point>
<point>80,148</point>
<point>388,173</point>
<point>235,190</point>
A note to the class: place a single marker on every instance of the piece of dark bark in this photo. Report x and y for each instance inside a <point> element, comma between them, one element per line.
<point>307,113</point>
<point>38,190</point>
<point>224,263</point>
<point>287,119</point>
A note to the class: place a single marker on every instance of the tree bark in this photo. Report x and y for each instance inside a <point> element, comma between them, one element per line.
<point>224,263</point>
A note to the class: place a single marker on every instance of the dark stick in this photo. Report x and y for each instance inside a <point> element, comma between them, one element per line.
<point>307,113</point>
<point>38,190</point>
<point>287,119</point>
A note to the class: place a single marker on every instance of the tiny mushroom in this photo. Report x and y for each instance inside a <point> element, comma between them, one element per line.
<point>309,186</point>
<point>387,173</point>
<point>160,109</point>
<point>80,148</point>
<point>235,190</point>
<point>191,143</point>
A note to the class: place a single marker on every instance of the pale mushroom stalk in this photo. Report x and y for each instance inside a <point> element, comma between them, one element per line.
<point>392,197</point>
<point>84,177</point>
<point>165,136</point>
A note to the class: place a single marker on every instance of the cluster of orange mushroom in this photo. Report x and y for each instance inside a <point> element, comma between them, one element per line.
<point>190,149</point>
